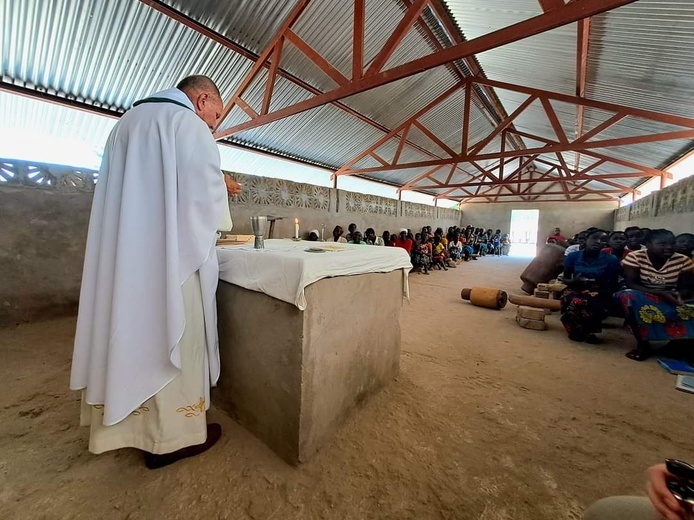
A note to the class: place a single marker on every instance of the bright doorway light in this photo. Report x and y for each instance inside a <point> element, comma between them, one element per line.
<point>524,225</point>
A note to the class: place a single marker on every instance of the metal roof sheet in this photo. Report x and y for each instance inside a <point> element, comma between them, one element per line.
<point>109,54</point>
<point>251,23</point>
<point>641,55</point>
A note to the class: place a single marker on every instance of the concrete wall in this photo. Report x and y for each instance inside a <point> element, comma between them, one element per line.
<point>44,213</point>
<point>317,207</point>
<point>42,239</point>
<point>571,217</point>
<point>671,208</point>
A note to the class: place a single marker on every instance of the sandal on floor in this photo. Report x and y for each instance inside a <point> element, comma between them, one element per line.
<point>638,354</point>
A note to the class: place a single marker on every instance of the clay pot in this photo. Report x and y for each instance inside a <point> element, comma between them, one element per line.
<point>548,263</point>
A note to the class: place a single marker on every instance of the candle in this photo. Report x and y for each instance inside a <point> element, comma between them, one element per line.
<point>296,228</point>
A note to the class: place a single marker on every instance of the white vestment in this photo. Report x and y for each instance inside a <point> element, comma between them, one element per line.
<point>157,205</point>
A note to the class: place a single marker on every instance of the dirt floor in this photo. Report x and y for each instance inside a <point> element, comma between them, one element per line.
<point>486,421</point>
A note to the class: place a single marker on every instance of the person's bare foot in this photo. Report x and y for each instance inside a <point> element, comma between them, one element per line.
<point>153,461</point>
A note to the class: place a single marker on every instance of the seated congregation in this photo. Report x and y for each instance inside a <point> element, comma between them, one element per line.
<point>644,276</point>
<point>430,250</point>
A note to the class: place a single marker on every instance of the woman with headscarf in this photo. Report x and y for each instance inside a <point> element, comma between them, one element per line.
<point>659,301</point>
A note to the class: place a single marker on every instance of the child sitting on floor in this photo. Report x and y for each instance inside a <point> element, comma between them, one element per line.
<point>439,252</point>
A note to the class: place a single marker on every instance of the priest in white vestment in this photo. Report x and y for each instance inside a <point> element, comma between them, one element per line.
<point>146,348</point>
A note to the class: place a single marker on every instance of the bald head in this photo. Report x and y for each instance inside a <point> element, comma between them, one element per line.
<point>198,84</point>
<point>205,96</point>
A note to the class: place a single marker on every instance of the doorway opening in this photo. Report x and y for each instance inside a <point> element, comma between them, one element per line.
<point>524,226</point>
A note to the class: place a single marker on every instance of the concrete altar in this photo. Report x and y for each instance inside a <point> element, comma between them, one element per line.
<point>292,377</point>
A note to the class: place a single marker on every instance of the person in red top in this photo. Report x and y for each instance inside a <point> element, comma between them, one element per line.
<point>403,241</point>
<point>557,236</point>
<point>617,245</point>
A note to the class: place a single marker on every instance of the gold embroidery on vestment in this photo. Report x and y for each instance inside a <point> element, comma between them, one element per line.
<point>194,409</point>
<point>142,409</point>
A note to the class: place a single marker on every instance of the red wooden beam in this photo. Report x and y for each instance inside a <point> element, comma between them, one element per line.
<point>262,59</point>
<point>518,181</point>
<point>358,40</point>
<point>401,144</point>
<point>399,128</point>
<point>450,174</point>
<point>246,108</point>
<point>551,193</point>
<point>583,173</point>
<point>502,126</point>
<point>581,76</point>
<point>606,143</point>
<point>272,74</point>
<point>379,158</point>
<point>554,120</point>
<point>438,183</point>
<point>484,172</point>
<point>316,58</point>
<point>459,188</point>
<point>554,147</point>
<point>615,185</point>
<point>600,128</point>
<point>158,5</point>
<point>434,138</point>
<point>549,5</point>
<point>503,149</point>
<point>557,18</point>
<point>424,175</point>
<point>592,153</point>
<point>445,22</point>
<point>454,34</point>
<point>466,119</point>
<point>686,122</point>
<point>397,36</point>
<point>464,200</point>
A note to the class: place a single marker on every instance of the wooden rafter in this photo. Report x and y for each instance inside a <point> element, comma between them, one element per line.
<point>567,14</point>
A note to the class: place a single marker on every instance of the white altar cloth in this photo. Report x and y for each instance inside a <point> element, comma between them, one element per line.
<point>284,268</point>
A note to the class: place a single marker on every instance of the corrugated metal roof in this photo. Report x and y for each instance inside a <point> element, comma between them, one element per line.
<point>108,54</point>
<point>90,50</point>
<point>329,135</point>
<point>326,26</point>
<point>547,60</point>
<point>251,23</point>
<point>641,55</point>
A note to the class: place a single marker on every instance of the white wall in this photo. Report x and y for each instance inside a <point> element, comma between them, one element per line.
<point>571,217</point>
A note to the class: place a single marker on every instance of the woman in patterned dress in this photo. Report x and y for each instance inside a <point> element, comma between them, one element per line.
<point>659,301</point>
